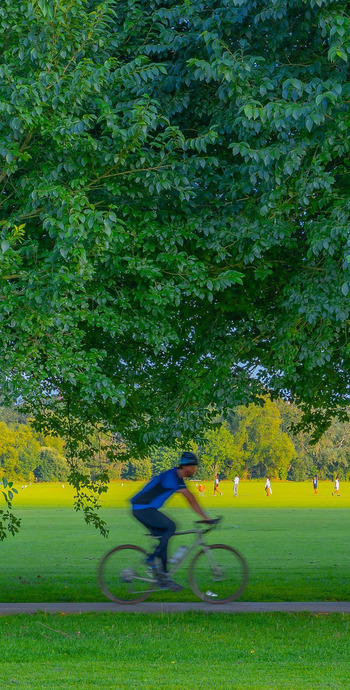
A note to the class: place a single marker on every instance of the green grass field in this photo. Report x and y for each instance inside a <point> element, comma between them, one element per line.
<point>251,495</point>
<point>175,651</point>
<point>297,543</point>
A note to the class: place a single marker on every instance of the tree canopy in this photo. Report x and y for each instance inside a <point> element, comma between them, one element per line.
<point>174,211</point>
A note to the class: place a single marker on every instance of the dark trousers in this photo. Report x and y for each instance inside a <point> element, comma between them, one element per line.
<point>160,526</point>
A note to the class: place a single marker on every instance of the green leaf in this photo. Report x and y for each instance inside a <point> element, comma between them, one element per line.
<point>309,124</point>
<point>248,111</point>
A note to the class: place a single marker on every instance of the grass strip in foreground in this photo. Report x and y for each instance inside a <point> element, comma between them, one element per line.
<point>189,650</point>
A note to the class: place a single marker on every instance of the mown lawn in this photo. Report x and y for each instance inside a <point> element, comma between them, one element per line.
<point>251,495</point>
<point>189,650</point>
<point>297,544</point>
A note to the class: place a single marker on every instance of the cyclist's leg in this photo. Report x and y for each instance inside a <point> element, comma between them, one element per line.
<point>160,526</point>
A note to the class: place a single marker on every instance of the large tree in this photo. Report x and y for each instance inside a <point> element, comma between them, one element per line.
<point>174,210</point>
<point>260,441</point>
<point>221,454</point>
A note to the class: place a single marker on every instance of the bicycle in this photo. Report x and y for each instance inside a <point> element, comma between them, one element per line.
<point>217,573</point>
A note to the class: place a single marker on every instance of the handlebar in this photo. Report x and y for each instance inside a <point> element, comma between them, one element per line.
<point>212,522</point>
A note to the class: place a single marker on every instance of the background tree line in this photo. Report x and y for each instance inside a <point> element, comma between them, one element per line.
<point>253,441</point>
<point>29,455</point>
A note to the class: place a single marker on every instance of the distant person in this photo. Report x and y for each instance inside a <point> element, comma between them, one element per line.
<point>201,488</point>
<point>235,485</point>
<point>336,487</point>
<point>315,483</point>
<point>216,486</point>
<point>145,506</point>
<point>268,487</point>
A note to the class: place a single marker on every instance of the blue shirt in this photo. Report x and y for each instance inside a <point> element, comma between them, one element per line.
<point>158,490</point>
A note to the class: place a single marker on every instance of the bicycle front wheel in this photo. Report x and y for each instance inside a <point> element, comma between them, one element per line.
<point>218,574</point>
<point>123,575</point>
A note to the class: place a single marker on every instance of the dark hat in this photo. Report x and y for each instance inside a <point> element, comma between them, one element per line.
<point>188,458</point>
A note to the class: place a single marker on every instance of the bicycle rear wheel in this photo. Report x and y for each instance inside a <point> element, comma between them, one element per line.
<point>123,575</point>
<point>218,574</point>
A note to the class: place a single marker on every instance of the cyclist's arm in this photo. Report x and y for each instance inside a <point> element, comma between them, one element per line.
<point>193,503</point>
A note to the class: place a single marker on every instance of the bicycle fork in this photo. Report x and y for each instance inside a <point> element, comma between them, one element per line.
<point>216,568</point>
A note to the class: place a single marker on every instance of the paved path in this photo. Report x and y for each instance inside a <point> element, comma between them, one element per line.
<point>175,607</point>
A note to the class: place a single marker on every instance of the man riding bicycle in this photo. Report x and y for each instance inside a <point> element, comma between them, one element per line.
<point>145,506</point>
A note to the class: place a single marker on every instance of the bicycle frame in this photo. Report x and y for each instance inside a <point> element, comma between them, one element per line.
<point>199,542</point>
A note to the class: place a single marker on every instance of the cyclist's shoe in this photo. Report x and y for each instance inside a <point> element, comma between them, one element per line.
<point>157,572</point>
<point>165,582</point>
<point>174,586</point>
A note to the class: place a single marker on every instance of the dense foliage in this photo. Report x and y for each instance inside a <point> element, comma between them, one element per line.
<point>174,212</point>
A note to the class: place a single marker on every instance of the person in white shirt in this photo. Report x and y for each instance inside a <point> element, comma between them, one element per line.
<point>235,485</point>
<point>336,487</point>
<point>216,486</point>
<point>268,487</point>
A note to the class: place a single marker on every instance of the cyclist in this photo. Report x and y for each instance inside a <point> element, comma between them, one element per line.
<point>145,506</point>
